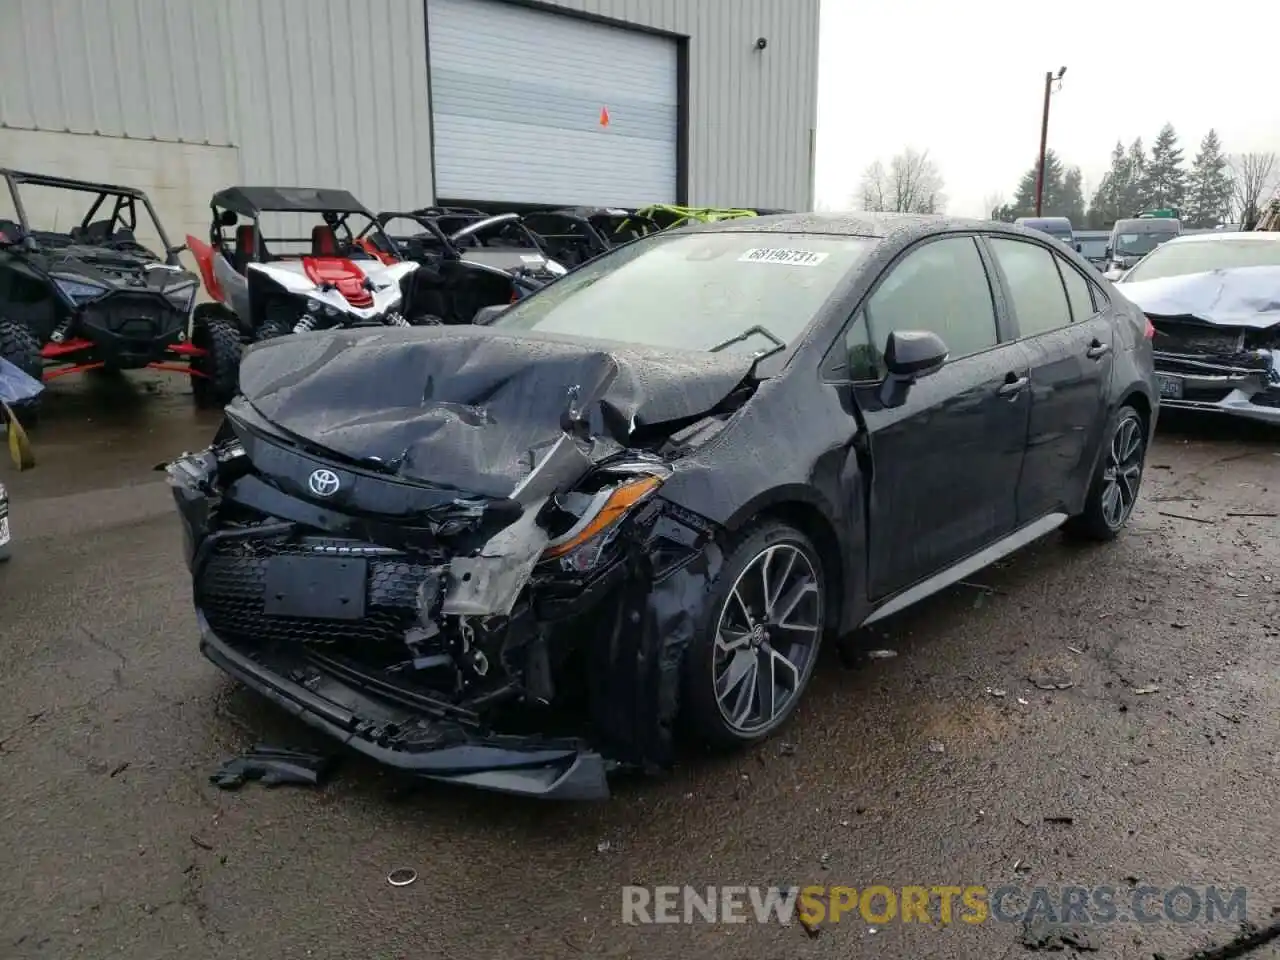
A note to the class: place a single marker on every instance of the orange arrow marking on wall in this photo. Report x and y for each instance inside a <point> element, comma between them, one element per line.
<point>604,116</point>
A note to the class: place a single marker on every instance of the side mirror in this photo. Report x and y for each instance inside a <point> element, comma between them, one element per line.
<point>1079,248</point>
<point>908,356</point>
<point>227,218</point>
<point>1107,253</point>
<point>486,315</point>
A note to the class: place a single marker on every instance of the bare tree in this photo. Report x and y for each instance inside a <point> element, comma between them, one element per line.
<point>872,189</point>
<point>1252,179</point>
<point>911,183</point>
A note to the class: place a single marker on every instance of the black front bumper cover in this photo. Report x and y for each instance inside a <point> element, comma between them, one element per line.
<point>402,738</point>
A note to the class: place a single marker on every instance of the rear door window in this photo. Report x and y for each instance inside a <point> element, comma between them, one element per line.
<point>1036,289</point>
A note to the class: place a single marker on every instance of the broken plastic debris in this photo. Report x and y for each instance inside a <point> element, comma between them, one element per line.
<point>937,746</point>
<point>1140,691</point>
<point>603,846</point>
<point>995,691</point>
<point>402,876</point>
<point>881,654</point>
<point>272,766</point>
<point>1023,701</point>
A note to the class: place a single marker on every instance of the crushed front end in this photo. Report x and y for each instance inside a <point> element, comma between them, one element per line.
<point>1218,368</point>
<point>527,643</point>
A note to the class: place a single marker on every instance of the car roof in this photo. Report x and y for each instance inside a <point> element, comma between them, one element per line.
<point>1226,236</point>
<point>881,226</point>
<point>253,200</point>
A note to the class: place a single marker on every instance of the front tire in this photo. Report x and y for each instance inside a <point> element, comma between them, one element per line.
<point>20,347</point>
<point>216,375</point>
<point>1113,493</point>
<point>751,662</point>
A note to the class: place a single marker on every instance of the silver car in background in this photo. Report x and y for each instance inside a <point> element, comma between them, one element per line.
<point>1214,301</point>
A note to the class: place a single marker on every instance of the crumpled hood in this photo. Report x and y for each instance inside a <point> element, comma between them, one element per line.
<point>467,407</point>
<point>1242,297</point>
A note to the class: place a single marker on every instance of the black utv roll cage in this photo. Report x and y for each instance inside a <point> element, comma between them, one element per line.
<point>118,228</point>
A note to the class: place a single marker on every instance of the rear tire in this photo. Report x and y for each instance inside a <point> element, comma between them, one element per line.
<point>216,375</point>
<point>1113,492</point>
<point>20,347</point>
<point>728,701</point>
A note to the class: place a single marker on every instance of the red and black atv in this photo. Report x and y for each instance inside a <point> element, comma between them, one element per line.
<point>96,295</point>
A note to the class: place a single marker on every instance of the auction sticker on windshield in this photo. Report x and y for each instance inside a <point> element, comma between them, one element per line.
<point>795,258</point>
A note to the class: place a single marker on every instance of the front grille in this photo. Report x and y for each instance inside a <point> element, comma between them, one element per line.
<point>232,584</point>
<point>134,316</point>
<point>1197,340</point>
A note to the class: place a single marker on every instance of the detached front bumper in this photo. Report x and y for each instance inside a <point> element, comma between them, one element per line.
<point>380,728</point>
<point>1252,392</point>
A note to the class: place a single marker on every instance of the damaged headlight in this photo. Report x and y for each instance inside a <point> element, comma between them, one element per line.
<point>579,548</point>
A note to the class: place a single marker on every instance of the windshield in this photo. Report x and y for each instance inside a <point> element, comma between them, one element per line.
<point>1178,259</point>
<point>1094,249</point>
<point>695,291</point>
<point>1139,244</point>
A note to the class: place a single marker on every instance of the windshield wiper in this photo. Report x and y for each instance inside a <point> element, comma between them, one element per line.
<point>756,331</point>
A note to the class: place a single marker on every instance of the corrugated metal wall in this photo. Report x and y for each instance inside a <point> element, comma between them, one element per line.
<point>752,112</point>
<point>328,92</point>
<point>333,93</point>
<point>145,69</point>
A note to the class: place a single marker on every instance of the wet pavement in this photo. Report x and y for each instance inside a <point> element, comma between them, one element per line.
<point>912,770</point>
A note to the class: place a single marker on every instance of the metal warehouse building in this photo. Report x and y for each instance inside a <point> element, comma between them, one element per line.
<point>409,102</point>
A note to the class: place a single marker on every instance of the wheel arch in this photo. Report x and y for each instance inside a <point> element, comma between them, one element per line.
<point>806,510</point>
<point>1140,402</point>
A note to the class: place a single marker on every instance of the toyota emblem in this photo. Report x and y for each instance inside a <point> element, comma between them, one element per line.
<point>324,483</point>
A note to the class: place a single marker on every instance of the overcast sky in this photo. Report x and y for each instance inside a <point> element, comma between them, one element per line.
<point>966,82</point>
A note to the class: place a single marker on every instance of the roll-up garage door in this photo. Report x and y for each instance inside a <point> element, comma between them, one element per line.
<point>531,106</point>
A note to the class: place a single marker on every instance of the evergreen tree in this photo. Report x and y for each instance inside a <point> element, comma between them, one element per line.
<point>1165,179</point>
<point>1108,204</point>
<point>1209,189</point>
<point>1070,200</point>
<point>1133,198</point>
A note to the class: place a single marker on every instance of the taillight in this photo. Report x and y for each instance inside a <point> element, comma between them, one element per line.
<point>1150,331</point>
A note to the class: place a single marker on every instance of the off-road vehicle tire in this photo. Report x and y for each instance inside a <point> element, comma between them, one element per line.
<point>217,334</point>
<point>20,347</point>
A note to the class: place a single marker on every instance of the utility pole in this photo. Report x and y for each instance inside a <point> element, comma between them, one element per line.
<point>1049,79</point>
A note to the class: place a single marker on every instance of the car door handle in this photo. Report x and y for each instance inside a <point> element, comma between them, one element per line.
<point>1097,349</point>
<point>1012,387</point>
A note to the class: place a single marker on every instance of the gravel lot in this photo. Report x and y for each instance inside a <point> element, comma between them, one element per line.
<point>909,770</point>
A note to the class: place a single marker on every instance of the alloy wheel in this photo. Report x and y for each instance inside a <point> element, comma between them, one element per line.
<point>767,639</point>
<point>1122,472</point>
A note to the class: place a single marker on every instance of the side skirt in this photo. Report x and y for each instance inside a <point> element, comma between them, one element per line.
<point>972,564</point>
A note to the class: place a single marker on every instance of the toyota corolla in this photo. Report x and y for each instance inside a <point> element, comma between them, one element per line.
<point>523,553</point>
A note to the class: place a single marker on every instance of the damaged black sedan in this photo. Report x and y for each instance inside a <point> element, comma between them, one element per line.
<point>519,555</point>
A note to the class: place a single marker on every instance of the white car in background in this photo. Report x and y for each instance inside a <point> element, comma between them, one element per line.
<point>1214,301</point>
